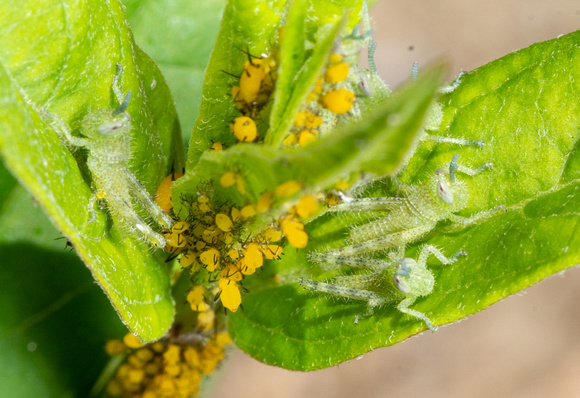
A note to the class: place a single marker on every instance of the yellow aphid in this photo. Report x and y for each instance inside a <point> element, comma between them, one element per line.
<point>228,179</point>
<point>175,241</point>
<point>211,258</point>
<point>217,146</point>
<point>195,297</point>
<point>144,354</point>
<point>240,185</point>
<point>337,73</point>
<point>166,386</point>
<point>135,375</point>
<point>291,139</point>
<point>244,128</point>
<point>132,341</point>
<point>253,75</point>
<point>300,118</point>
<point>191,357</point>
<point>172,370</point>
<point>115,347</point>
<point>306,206</point>
<point>294,231</point>
<point>248,211</point>
<point>288,188</point>
<point>307,136</point>
<point>312,120</point>
<point>253,255</point>
<point>335,58</point>
<point>228,238</point>
<point>272,235</point>
<point>180,227</point>
<point>272,252</point>
<point>205,207</point>
<point>134,361</point>
<point>230,294</point>
<point>223,339</point>
<point>318,87</point>
<point>171,354</point>
<point>203,199</point>
<point>223,222</point>
<point>338,101</point>
<point>265,202</point>
<point>211,234</point>
<point>188,259</point>
<point>233,254</point>
<point>158,347</point>
<point>232,273</point>
<point>163,197</point>
<point>236,215</point>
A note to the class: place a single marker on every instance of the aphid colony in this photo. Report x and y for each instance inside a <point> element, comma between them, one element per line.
<point>215,238</point>
<point>166,368</point>
<point>332,94</point>
<point>407,220</point>
<point>255,86</point>
<point>108,141</point>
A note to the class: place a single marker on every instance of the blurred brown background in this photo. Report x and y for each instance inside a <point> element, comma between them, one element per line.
<point>525,346</point>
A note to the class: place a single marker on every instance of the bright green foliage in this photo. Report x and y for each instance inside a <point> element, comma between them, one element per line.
<point>523,106</point>
<point>43,66</point>
<point>61,58</point>
<point>181,41</point>
<point>55,319</point>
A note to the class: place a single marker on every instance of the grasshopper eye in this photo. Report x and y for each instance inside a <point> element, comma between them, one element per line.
<point>444,192</point>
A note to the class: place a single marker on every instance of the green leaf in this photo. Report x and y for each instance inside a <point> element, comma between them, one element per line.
<point>524,107</point>
<point>43,66</point>
<point>55,319</point>
<point>179,36</point>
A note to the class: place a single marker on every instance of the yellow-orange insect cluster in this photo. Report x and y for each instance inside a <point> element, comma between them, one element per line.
<point>163,368</point>
<point>213,238</point>
<point>255,86</point>
<point>331,92</point>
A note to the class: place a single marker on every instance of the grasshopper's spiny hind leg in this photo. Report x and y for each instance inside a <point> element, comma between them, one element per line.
<point>403,306</point>
<point>138,191</point>
<point>337,290</point>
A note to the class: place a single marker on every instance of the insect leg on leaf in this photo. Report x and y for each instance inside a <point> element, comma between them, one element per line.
<point>403,280</point>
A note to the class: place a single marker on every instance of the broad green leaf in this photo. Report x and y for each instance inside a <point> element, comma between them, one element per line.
<point>44,50</point>
<point>55,319</point>
<point>524,107</point>
<point>179,36</point>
